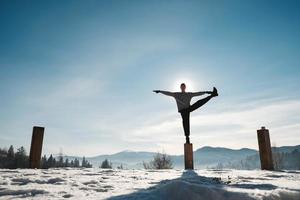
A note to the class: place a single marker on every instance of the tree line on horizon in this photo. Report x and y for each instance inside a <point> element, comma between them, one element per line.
<point>10,159</point>
<point>60,162</point>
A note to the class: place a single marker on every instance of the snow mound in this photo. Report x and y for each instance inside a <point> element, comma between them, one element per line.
<point>193,186</point>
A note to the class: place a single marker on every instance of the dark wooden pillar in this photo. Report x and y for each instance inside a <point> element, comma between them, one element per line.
<point>36,147</point>
<point>265,151</point>
<point>188,156</point>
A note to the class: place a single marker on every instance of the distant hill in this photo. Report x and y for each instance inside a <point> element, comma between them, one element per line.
<point>203,157</point>
<point>286,149</point>
<point>211,156</point>
<point>129,159</point>
<point>285,157</point>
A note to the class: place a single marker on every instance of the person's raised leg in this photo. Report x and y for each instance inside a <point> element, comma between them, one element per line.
<point>185,114</point>
<point>201,102</point>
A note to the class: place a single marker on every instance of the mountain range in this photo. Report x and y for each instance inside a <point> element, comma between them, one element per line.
<point>203,157</point>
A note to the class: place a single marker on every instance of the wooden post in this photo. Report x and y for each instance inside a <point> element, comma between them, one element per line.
<point>265,151</point>
<point>188,156</point>
<point>36,147</point>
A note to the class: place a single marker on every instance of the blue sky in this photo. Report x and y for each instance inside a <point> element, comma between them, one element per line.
<point>85,70</point>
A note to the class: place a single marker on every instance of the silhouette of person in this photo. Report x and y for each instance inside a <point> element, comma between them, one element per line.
<point>183,100</point>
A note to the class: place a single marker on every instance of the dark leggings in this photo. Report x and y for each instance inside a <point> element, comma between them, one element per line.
<point>185,114</point>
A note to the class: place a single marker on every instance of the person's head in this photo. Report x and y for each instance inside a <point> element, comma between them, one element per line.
<point>182,87</point>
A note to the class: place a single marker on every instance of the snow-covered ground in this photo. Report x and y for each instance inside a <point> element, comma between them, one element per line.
<point>148,184</point>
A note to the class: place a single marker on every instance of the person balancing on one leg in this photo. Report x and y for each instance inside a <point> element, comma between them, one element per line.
<point>183,100</point>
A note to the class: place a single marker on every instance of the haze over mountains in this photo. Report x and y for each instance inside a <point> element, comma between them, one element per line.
<point>203,157</point>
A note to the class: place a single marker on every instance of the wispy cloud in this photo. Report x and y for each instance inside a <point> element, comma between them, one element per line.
<point>224,128</point>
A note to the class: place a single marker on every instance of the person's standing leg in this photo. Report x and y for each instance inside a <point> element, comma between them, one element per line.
<point>185,114</point>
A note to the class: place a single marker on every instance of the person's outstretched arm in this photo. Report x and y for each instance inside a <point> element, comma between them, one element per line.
<point>164,92</point>
<point>200,93</point>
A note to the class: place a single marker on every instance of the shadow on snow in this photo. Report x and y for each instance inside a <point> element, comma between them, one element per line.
<point>193,186</point>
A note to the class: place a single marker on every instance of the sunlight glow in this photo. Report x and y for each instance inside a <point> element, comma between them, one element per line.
<point>190,86</point>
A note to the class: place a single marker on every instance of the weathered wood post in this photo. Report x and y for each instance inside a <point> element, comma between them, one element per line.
<point>188,156</point>
<point>265,151</point>
<point>36,147</point>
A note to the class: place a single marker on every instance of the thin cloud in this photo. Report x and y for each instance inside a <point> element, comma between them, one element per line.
<point>239,125</point>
